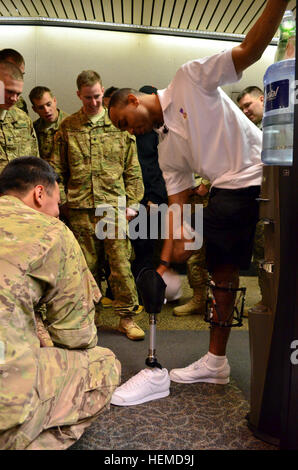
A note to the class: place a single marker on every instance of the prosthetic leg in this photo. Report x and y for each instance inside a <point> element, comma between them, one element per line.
<point>152,289</point>
<point>153,382</point>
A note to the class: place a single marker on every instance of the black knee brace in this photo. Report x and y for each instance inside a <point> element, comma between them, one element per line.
<point>236,316</point>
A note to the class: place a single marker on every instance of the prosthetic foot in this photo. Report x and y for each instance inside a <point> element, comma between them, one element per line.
<point>153,382</point>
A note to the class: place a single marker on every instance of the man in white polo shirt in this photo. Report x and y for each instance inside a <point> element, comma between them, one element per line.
<point>202,131</point>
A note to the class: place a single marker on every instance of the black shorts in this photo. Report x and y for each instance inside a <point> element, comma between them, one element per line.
<point>229,223</point>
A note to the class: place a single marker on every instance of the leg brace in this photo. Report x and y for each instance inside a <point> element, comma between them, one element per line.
<point>235,319</point>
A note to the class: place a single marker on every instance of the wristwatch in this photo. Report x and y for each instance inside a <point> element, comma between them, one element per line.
<point>165,263</point>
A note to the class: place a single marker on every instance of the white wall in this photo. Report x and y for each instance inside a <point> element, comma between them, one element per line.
<point>55,56</point>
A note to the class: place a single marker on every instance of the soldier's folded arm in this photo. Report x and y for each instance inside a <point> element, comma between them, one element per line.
<point>70,297</point>
<point>34,143</point>
<point>58,161</point>
<point>132,175</point>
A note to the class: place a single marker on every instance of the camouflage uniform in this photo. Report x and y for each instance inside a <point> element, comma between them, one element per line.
<point>197,273</point>
<point>48,395</point>
<point>98,164</point>
<point>45,134</point>
<point>17,137</point>
<point>21,104</point>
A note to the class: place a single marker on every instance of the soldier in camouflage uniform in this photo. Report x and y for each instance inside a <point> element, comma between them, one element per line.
<point>48,395</point>
<point>197,273</point>
<point>22,105</point>
<point>13,56</point>
<point>44,104</point>
<point>17,135</point>
<point>97,164</point>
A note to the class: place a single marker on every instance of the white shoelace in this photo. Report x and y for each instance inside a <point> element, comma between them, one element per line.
<point>136,380</point>
<point>200,362</point>
<point>196,364</point>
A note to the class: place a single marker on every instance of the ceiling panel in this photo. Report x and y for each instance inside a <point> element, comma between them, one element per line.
<point>157,12</point>
<point>166,13</point>
<point>211,11</point>
<point>51,8</point>
<point>11,7</point>
<point>30,8</point>
<point>228,16</point>
<point>147,12</point>
<point>107,10</point>
<point>18,7</point>
<point>78,10</point>
<point>239,14</point>
<point>207,14</point>
<point>127,7</point>
<point>67,7</point>
<point>59,9</point>
<point>117,8</point>
<point>137,12</point>
<point>4,9</point>
<point>219,16</point>
<point>187,12</point>
<point>97,8</point>
<point>177,13</point>
<point>197,14</point>
<point>249,16</point>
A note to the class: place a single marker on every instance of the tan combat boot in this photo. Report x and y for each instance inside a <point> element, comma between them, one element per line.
<point>195,306</point>
<point>106,302</point>
<point>131,329</point>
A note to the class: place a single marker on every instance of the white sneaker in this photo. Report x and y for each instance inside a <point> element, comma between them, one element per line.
<point>147,385</point>
<point>200,371</point>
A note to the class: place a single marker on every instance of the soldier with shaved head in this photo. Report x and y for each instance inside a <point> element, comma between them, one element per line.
<point>49,392</point>
<point>14,57</point>
<point>44,103</point>
<point>17,135</point>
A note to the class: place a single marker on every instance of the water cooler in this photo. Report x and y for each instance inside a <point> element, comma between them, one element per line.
<point>273,328</point>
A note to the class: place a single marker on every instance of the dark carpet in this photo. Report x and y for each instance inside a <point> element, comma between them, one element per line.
<point>194,417</point>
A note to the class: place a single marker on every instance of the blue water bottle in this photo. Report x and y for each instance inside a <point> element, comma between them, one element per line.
<point>279,87</point>
<point>278,118</point>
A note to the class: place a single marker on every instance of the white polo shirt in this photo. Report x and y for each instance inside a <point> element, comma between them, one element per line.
<point>207,133</point>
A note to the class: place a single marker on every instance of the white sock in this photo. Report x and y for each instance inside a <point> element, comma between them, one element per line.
<point>215,361</point>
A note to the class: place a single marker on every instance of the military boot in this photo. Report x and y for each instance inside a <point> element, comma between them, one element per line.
<point>196,305</point>
<point>131,329</point>
<point>106,302</point>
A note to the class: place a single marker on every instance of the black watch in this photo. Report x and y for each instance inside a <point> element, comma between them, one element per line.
<point>165,263</point>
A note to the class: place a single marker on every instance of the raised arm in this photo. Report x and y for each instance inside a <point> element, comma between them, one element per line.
<point>259,36</point>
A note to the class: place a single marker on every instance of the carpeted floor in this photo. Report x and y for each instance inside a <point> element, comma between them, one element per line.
<point>195,416</point>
